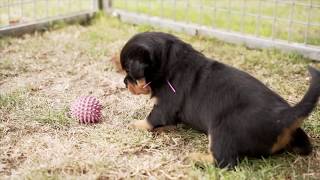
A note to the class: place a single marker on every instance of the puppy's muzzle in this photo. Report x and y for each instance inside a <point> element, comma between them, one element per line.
<point>137,87</point>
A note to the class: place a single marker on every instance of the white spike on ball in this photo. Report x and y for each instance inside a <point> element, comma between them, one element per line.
<point>86,109</point>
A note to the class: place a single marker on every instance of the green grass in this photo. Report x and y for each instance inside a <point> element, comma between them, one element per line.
<point>55,118</point>
<point>191,11</point>
<point>38,140</point>
<point>9,101</point>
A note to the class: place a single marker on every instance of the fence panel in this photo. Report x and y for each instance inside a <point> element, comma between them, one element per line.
<point>291,25</point>
<point>19,15</point>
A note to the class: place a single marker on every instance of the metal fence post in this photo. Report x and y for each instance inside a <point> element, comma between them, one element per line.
<point>105,5</point>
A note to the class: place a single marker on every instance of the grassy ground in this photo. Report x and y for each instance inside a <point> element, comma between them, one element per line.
<point>41,74</point>
<point>203,12</point>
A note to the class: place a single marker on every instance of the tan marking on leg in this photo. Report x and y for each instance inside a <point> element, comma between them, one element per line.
<point>141,124</point>
<point>285,137</point>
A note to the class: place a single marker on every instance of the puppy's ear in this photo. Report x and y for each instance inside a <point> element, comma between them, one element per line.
<point>137,68</point>
<point>135,59</point>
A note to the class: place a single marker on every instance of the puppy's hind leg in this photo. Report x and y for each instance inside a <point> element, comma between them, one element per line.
<point>220,153</point>
<point>224,151</point>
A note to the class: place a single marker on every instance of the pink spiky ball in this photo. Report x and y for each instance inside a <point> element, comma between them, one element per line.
<point>86,109</point>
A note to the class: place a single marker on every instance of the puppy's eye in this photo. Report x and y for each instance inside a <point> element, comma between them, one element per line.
<point>128,79</point>
<point>125,82</point>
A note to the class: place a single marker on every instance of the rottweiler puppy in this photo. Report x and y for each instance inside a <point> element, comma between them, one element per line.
<point>240,115</point>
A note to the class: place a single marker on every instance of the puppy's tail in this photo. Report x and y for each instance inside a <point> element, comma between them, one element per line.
<point>300,111</point>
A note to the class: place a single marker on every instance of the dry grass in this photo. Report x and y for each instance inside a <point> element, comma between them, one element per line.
<point>41,74</point>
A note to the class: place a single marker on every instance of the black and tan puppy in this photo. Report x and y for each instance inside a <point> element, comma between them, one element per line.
<point>240,115</point>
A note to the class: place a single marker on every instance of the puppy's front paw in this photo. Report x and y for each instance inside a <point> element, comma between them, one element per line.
<point>141,124</point>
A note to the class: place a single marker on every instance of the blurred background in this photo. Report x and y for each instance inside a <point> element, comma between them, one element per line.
<point>287,21</point>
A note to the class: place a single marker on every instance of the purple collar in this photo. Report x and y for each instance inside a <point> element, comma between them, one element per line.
<point>172,88</point>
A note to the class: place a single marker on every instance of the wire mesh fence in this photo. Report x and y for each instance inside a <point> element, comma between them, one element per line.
<point>19,12</point>
<point>287,24</point>
<point>290,20</point>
